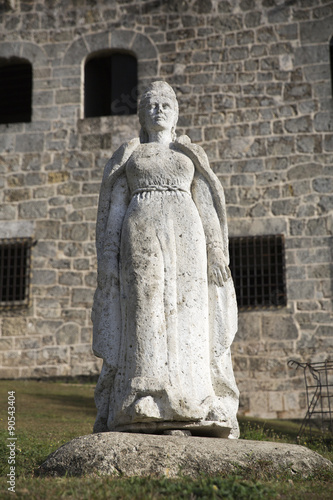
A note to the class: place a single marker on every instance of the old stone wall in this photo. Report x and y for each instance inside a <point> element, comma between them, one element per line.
<point>254,87</point>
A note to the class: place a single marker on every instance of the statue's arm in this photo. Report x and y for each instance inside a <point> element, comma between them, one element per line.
<point>112,206</point>
<point>208,196</point>
<point>108,259</point>
<point>218,270</point>
<point>104,202</point>
<point>112,171</point>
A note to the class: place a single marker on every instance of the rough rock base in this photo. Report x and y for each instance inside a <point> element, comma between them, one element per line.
<point>132,454</point>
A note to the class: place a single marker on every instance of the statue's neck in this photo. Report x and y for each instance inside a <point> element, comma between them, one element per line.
<point>160,136</point>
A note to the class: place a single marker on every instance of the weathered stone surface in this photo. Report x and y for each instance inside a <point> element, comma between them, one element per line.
<point>113,453</point>
<point>142,327</point>
<point>17,229</point>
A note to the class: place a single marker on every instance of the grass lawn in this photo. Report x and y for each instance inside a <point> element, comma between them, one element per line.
<point>48,414</point>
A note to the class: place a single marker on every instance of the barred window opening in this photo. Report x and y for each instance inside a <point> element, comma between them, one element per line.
<point>110,85</point>
<point>257,265</point>
<point>15,257</point>
<point>15,91</point>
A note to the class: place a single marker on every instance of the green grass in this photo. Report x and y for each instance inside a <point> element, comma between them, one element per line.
<point>49,414</point>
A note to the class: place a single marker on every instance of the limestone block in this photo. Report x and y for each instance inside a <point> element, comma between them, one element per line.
<point>324,331</point>
<point>86,335</point>
<point>14,195</point>
<point>82,296</point>
<point>29,142</point>
<point>96,142</point>
<point>81,354</point>
<point>53,355</point>
<point>9,373</point>
<point>323,184</point>
<point>284,207</point>
<point>290,401</point>
<point>275,401</point>
<point>69,333</point>
<point>84,202</point>
<point>19,358</point>
<point>279,328</point>
<point>77,315</point>
<point>35,179</point>
<point>43,192</point>
<point>316,227</point>
<point>97,40</point>
<point>43,277</point>
<point>27,343</point>
<point>76,232</point>
<point>69,188</point>
<point>296,125</point>
<point>6,344</point>
<point>141,45</point>
<point>7,212</point>
<point>280,146</point>
<point>70,278</point>
<point>33,372</point>
<point>15,180</point>
<point>323,122</point>
<point>45,249</point>
<point>316,31</point>
<point>82,264</point>
<point>295,91</point>
<point>55,177</point>
<point>14,327</point>
<point>277,225</point>
<point>32,209</point>
<point>67,96</point>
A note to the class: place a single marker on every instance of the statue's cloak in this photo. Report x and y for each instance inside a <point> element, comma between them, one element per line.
<point>106,314</point>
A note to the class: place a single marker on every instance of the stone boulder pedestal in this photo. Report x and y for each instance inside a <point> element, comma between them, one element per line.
<point>133,454</point>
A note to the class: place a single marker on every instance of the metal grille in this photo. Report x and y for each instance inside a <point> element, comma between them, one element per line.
<point>15,257</point>
<point>257,264</point>
<point>15,91</point>
<point>318,378</point>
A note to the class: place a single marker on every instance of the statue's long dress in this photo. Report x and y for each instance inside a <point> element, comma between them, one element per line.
<point>164,368</point>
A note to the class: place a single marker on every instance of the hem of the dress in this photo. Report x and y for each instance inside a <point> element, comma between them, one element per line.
<point>204,428</point>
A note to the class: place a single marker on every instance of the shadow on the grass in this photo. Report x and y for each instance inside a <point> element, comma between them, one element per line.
<point>69,402</point>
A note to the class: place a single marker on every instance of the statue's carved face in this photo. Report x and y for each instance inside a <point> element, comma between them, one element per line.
<point>160,113</point>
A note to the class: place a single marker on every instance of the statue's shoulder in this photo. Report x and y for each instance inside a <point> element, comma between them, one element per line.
<point>124,151</point>
<point>184,144</point>
<point>120,156</point>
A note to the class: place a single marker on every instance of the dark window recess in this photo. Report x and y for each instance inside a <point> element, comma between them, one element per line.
<point>15,91</point>
<point>110,85</point>
<point>257,264</point>
<point>15,256</point>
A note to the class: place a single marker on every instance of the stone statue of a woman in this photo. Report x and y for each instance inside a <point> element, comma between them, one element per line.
<point>164,311</point>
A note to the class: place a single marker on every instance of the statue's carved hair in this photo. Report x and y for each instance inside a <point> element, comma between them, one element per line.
<point>158,88</point>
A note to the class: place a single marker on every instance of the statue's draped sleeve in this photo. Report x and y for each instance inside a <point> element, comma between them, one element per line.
<point>208,195</point>
<point>112,206</point>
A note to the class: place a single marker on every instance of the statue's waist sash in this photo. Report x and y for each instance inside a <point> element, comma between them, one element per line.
<point>161,188</point>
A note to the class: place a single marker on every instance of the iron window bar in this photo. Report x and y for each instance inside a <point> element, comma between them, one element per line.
<point>318,378</point>
<point>257,264</point>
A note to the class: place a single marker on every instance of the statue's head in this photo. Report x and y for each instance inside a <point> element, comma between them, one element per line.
<point>157,92</point>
